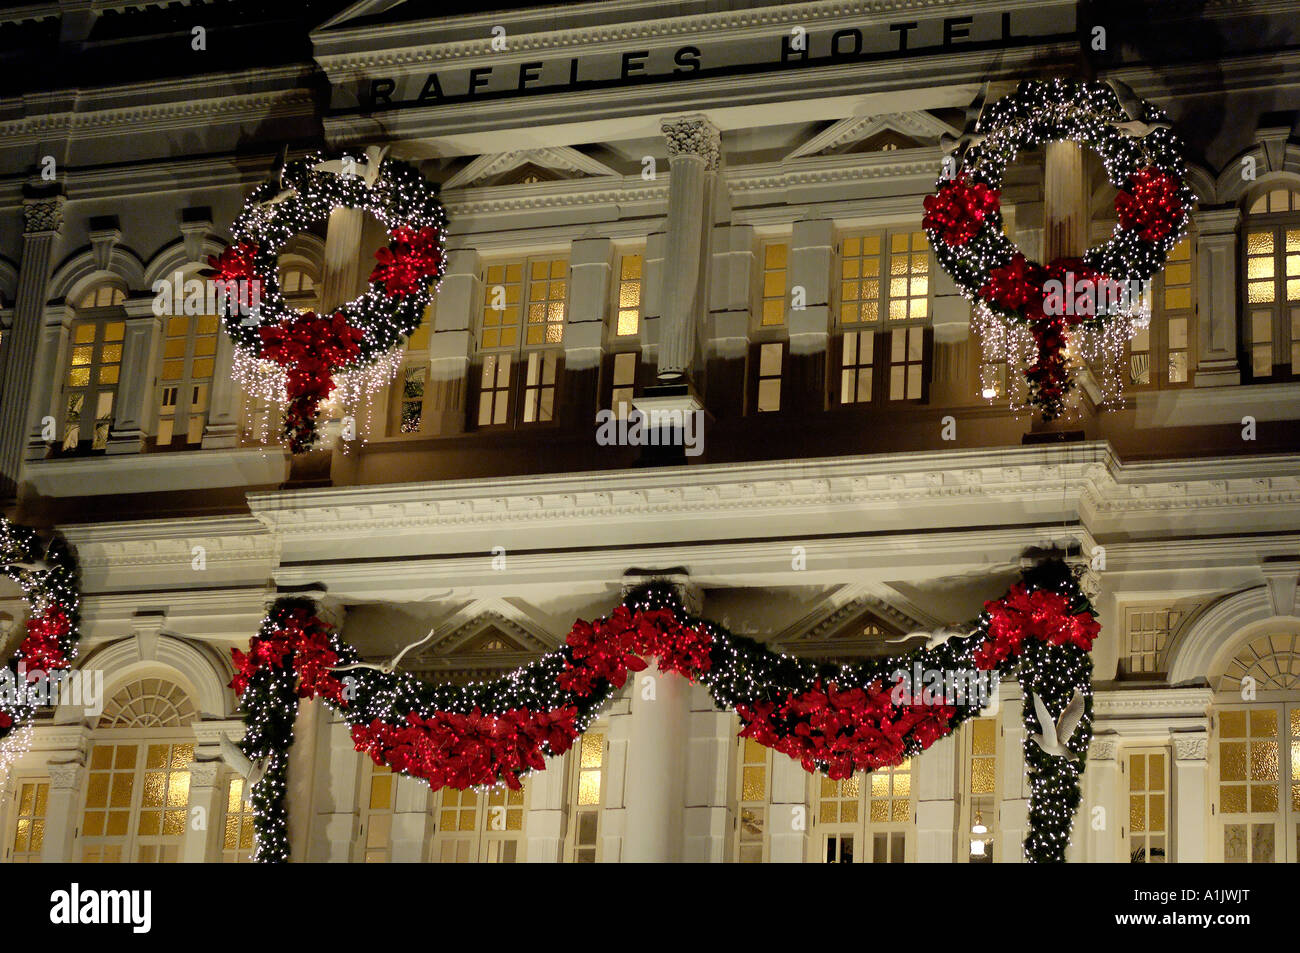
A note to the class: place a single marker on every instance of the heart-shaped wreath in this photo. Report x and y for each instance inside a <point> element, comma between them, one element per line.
<point>1094,300</point>
<point>831,718</point>
<point>47,575</point>
<point>305,356</point>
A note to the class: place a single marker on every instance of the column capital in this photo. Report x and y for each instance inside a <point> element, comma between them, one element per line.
<point>1103,747</point>
<point>43,216</point>
<point>204,774</point>
<point>694,137</point>
<point>1190,745</point>
<point>1213,222</point>
<point>66,775</point>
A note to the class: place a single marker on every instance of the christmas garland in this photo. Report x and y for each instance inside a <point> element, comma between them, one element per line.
<point>1142,158</point>
<point>831,718</point>
<point>49,580</point>
<point>314,350</point>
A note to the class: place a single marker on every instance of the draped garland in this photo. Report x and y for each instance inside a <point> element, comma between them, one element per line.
<point>48,576</point>
<point>832,718</point>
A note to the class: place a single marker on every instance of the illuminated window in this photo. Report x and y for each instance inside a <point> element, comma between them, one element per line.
<point>979,738</point>
<point>378,797</point>
<point>755,785</point>
<point>1147,831</point>
<point>237,841</point>
<point>411,386</point>
<point>882,303</point>
<point>185,380</point>
<point>481,826</point>
<point>772,304</point>
<point>33,795</point>
<point>90,385</point>
<point>865,818</point>
<point>138,780</point>
<point>520,339</point>
<point>102,296</point>
<point>587,798</point>
<point>627,295</point>
<point>624,382</point>
<point>1258,785</point>
<point>1147,630</point>
<point>771,365</point>
<point>1160,354</point>
<point>1271,262</point>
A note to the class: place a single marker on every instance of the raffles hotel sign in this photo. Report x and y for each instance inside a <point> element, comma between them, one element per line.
<point>508,73</point>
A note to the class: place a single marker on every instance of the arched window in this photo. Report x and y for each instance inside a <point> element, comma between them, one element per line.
<point>1256,755</point>
<point>1271,282</point>
<point>94,365</point>
<point>138,778</point>
<point>189,350</point>
<point>298,289</point>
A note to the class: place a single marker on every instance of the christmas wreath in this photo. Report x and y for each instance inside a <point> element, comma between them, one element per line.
<point>832,718</point>
<point>309,353</point>
<point>1143,160</point>
<point>47,575</point>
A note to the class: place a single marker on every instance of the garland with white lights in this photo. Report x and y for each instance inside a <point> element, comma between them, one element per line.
<point>1091,301</point>
<point>301,358</point>
<point>48,577</point>
<point>832,718</point>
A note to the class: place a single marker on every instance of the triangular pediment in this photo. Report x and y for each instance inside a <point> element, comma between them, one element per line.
<point>854,623</point>
<point>512,168</point>
<point>886,132</point>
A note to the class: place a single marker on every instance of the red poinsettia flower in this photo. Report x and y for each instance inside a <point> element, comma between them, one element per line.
<point>410,260</point>
<point>311,349</point>
<point>959,209</point>
<point>41,649</point>
<point>1150,204</point>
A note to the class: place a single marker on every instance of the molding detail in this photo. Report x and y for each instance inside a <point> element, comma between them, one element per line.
<point>564,159</point>
<point>916,125</point>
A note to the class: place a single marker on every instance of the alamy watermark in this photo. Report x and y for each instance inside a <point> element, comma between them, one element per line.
<point>933,686</point>
<point>179,295</point>
<point>1091,296</point>
<point>654,428</point>
<point>79,688</point>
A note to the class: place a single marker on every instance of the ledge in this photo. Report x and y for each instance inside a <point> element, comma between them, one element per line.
<point>157,472</point>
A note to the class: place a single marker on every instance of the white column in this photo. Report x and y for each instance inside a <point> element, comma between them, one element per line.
<point>1190,809</point>
<point>133,405</point>
<point>936,803</point>
<point>790,823</point>
<point>812,247</point>
<point>342,251</point>
<point>655,780</point>
<point>1099,843</point>
<point>46,389</point>
<point>731,291</point>
<point>1064,200</point>
<point>1013,816</point>
<point>710,781</point>
<point>61,812</point>
<point>1216,297</point>
<point>410,819</point>
<point>207,784</point>
<point>546,807</point>
<point>584,325</point>
<point>693,153</point>
<point>222,428</point>
<point>451,342</point>
<point>330,803</point>
<point>27,365</point>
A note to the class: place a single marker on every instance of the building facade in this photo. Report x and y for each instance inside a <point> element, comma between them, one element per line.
<point>730,190</point>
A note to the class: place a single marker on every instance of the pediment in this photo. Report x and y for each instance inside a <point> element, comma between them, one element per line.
<point>857,625</point>
<point>521,165</point>
<point>876,133</point>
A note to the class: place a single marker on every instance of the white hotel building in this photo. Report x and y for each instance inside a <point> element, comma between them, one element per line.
<point>628,168</point>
